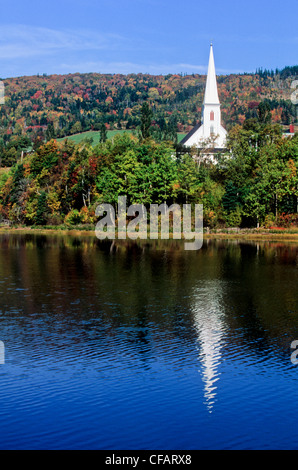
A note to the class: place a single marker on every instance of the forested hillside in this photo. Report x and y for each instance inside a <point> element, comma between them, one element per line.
<point>39,108</point>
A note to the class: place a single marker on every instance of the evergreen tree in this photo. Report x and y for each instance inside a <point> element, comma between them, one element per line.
<point>40,218</point>
<point>231,197</point>
<point>264,112</point>
<point>50,132</point>
<point>146,119</point>
<point>103,132</point>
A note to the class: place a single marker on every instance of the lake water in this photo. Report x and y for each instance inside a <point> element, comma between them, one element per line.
<point>147,346</point>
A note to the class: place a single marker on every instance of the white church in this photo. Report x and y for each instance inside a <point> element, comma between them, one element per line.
<point>210,133</point>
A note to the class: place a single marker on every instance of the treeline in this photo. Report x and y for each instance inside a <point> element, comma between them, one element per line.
<point>62,183</point>
<point>284,73</point>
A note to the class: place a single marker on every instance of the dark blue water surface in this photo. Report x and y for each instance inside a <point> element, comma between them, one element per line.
<point>142,346</point>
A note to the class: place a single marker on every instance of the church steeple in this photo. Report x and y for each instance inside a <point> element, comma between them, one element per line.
<point>211,93</point>
<point>211,130</point>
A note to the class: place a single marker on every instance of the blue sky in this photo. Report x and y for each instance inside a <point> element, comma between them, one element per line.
<point>146,36</point>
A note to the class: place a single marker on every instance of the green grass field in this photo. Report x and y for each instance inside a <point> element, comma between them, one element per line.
<point>77,138</point>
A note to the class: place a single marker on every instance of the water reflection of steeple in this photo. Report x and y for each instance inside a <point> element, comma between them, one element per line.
<point>208,317</point>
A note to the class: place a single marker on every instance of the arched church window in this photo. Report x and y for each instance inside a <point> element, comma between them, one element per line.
<point>212,116</point>
<point>212,130</point>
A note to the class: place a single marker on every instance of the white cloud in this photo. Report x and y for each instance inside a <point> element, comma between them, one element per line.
<point>130,67</point>
<point>22,41</point>
<point>30,49</point>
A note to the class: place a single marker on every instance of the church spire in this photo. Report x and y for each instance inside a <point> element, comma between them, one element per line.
<point>211,93</point>
<point>211,131</point>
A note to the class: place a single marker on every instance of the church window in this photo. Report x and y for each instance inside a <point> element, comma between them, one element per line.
<point>212,116</point>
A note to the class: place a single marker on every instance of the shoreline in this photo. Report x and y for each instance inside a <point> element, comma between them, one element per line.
<point>251,235</point>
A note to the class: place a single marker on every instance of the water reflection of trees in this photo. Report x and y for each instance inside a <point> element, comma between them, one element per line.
<point>155,289</point>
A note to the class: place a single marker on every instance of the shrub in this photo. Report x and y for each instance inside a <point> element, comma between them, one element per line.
<point>287,220</point>
<point>73,217</point>
<point>234,218</point>
<point>85,216</point>
<point>269,220</point>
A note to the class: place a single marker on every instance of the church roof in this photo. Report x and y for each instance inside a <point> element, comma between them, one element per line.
<point>194,129</point>
<point>211,93</point>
